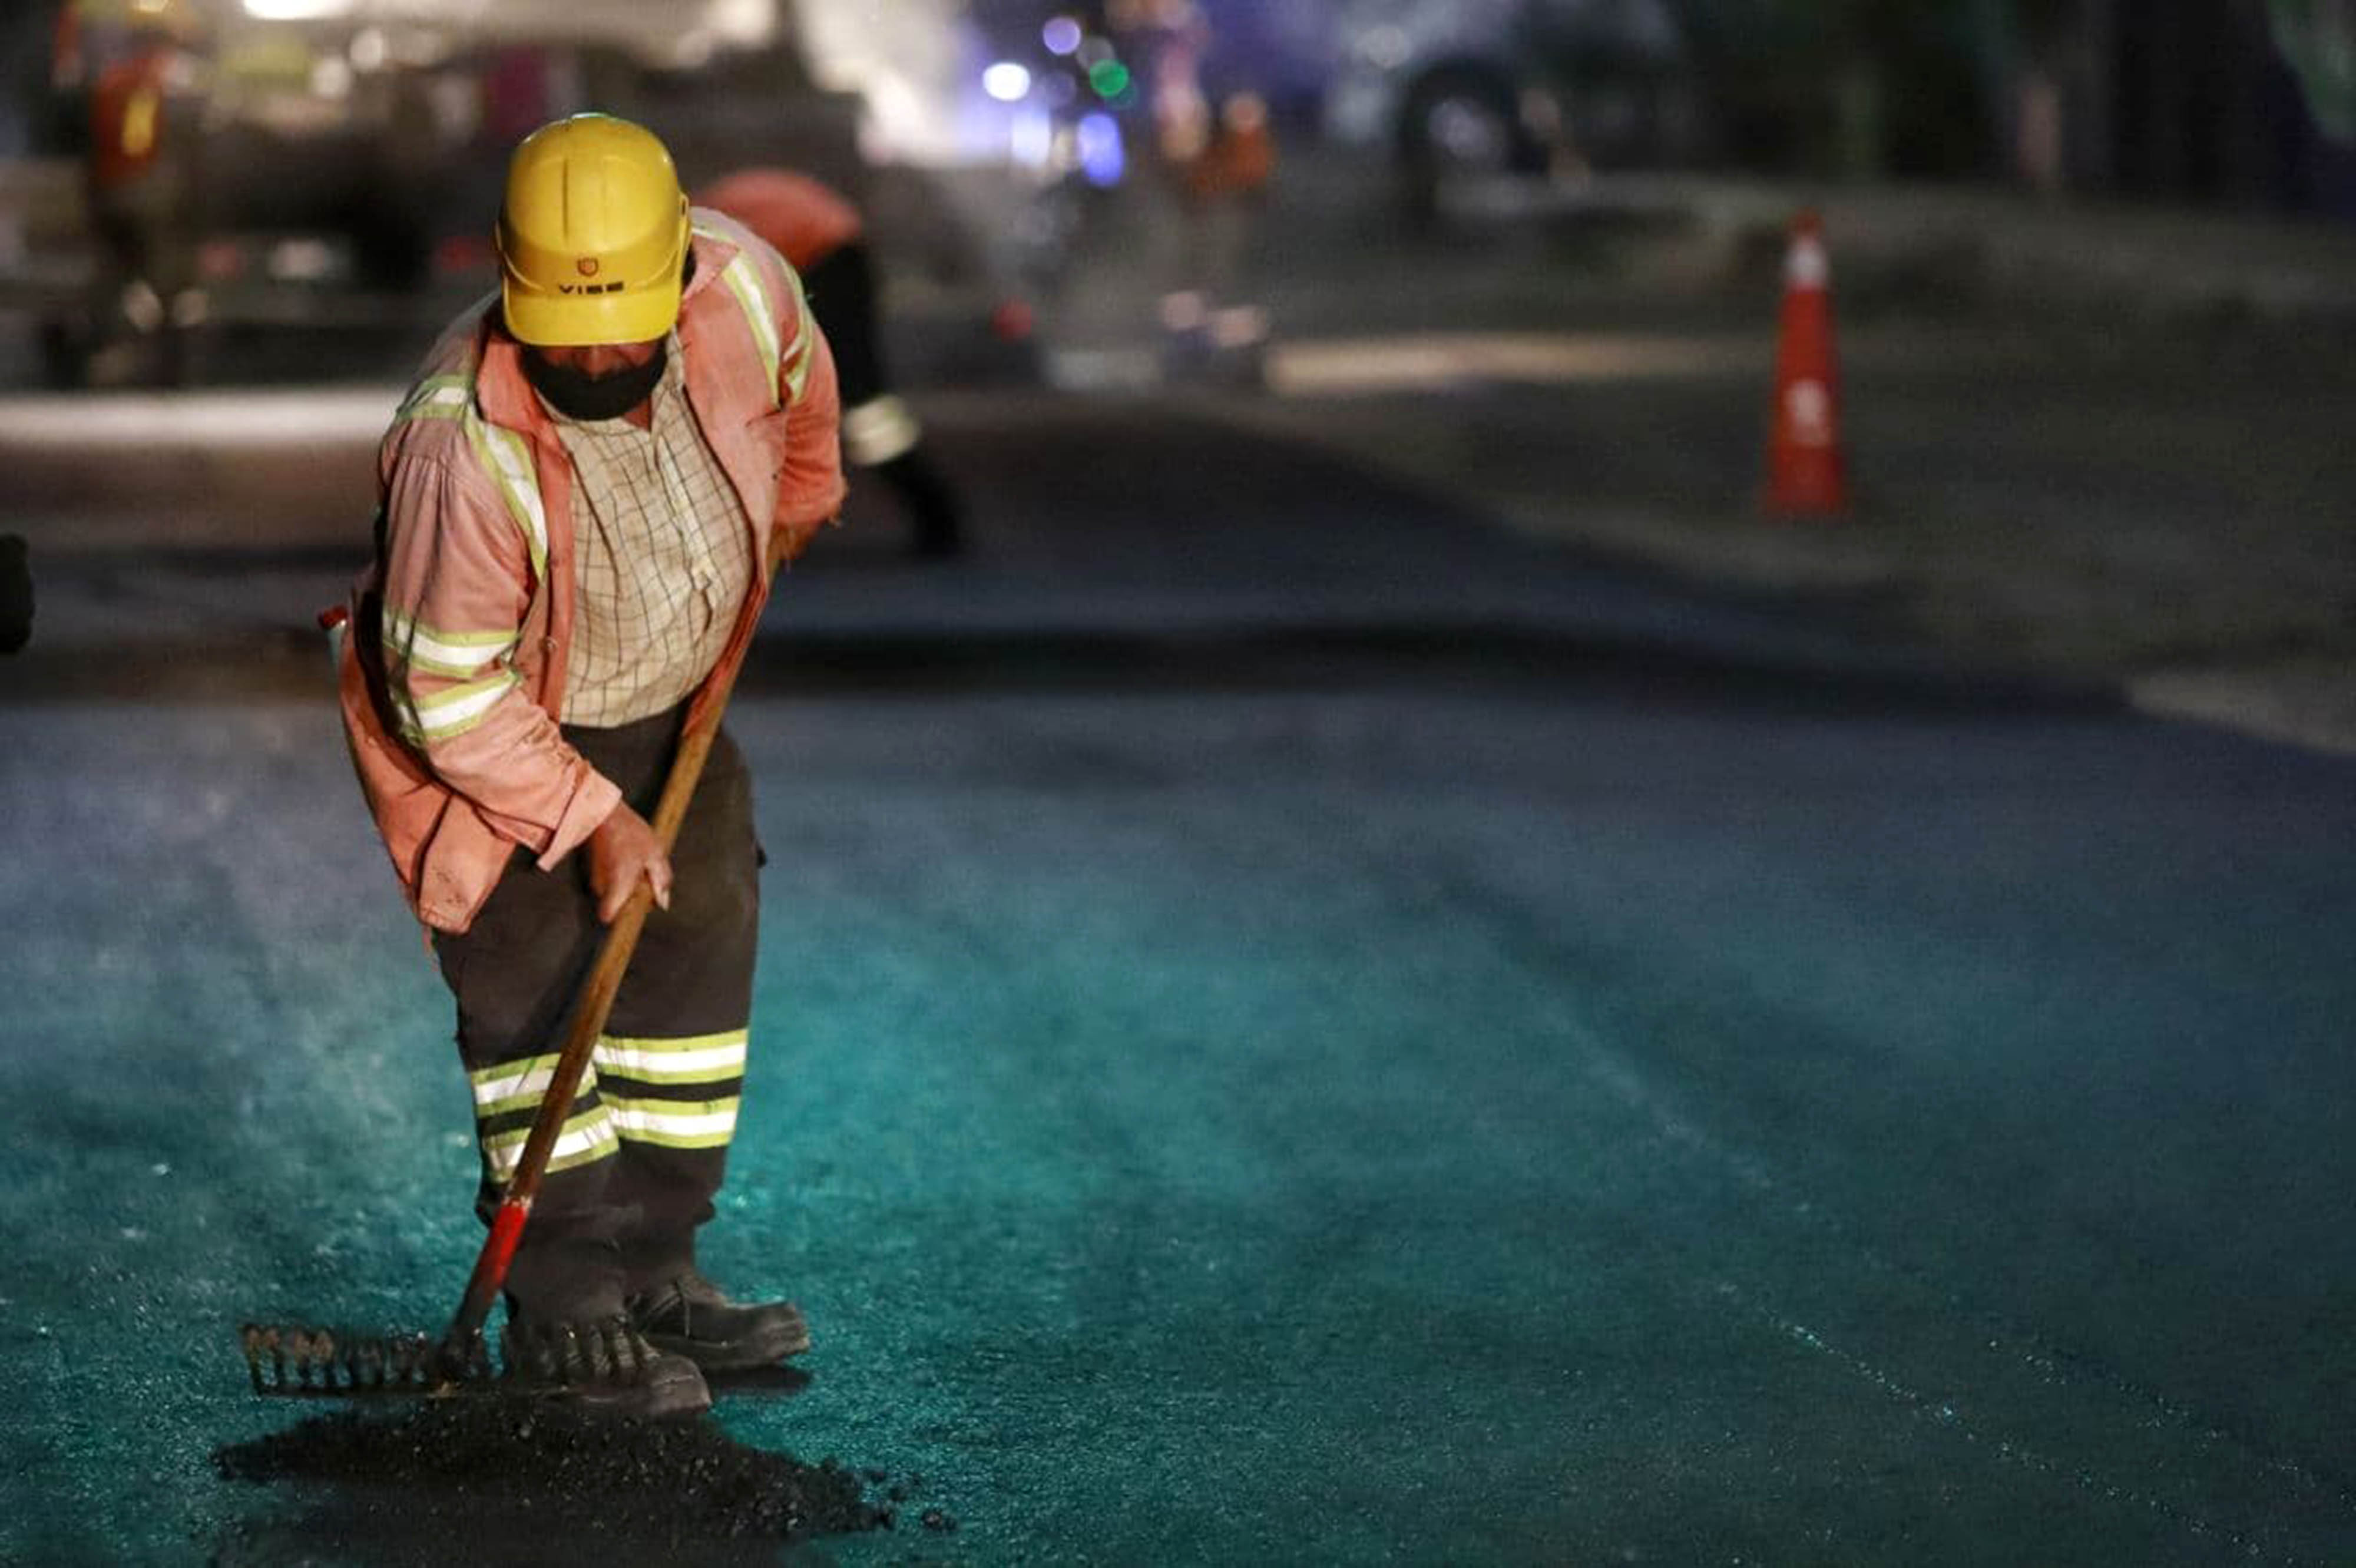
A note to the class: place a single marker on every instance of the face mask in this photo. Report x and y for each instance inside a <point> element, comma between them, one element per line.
<point>609,396</point>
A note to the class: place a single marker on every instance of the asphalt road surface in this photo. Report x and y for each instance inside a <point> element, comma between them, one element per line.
<point>1294,1024</point>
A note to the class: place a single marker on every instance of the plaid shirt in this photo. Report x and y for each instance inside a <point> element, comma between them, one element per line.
<point>662,560</point>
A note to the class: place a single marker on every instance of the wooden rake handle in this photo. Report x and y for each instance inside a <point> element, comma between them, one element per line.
<point>590,1010</point>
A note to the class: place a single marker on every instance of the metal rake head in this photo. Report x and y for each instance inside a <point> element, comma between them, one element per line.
<point>321,1363</point>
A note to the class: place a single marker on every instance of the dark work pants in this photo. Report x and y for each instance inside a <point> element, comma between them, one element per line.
<point>841,287</point>
<point>646,1140</point>
<point>842,295</point>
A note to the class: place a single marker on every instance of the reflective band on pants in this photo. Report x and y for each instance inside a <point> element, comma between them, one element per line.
<point>679,1093</point>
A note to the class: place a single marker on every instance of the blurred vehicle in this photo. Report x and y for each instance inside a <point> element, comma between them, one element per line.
<point>350,153</point>
<point>1509,87</point>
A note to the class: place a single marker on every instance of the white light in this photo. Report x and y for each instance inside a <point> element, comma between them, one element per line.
<point>294,10</point>
<point>331,76</point>
<point>1007,81</point>
<point>744,22</point>
<point>1033,137</point>
<point>1061,34</point>
<point>302,261</point>
<point>369,51</point>
<point>1387,48</point>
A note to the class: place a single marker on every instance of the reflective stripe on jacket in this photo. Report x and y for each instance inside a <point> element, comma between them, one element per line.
<point>453,674</point>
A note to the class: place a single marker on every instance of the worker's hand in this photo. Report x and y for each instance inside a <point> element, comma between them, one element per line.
<point>622,850</point>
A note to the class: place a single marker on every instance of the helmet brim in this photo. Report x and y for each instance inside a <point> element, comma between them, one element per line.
<point>567,321</point>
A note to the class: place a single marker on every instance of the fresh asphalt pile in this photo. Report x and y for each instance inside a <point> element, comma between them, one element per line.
<point>516,1479</point>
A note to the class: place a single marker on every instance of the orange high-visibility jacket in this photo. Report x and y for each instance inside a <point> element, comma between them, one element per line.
<point>452,675</point>
<point>806,220</point>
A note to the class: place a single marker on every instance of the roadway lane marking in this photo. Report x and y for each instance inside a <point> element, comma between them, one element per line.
<point>293,417</point>
<point>2302,701</point>
<point>2181,1509</point>
<point>1988,1411</point>
<point>1343,367</point>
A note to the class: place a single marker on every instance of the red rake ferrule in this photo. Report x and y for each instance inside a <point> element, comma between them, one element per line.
<point>507,1231</point>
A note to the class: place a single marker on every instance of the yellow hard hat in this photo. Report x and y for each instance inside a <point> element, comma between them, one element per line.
<point>593,235</point>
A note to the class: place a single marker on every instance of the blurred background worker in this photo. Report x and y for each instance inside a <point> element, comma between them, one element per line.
<point>817,229</point>
<point>1225,186</point>
<point>135,70</point>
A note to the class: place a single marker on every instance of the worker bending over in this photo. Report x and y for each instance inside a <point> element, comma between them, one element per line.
<point>579,496</point>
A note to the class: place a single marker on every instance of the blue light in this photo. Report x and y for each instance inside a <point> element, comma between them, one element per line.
<point>1102,157</point>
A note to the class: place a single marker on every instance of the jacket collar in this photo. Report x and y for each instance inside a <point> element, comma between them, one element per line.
<point>504,397</point>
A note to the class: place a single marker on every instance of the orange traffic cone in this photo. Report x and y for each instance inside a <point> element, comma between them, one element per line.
<point>1806,474</point>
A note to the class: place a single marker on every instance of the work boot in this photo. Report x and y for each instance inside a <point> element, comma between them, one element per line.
<point>688,1317</point>
<point>605,1365</point>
